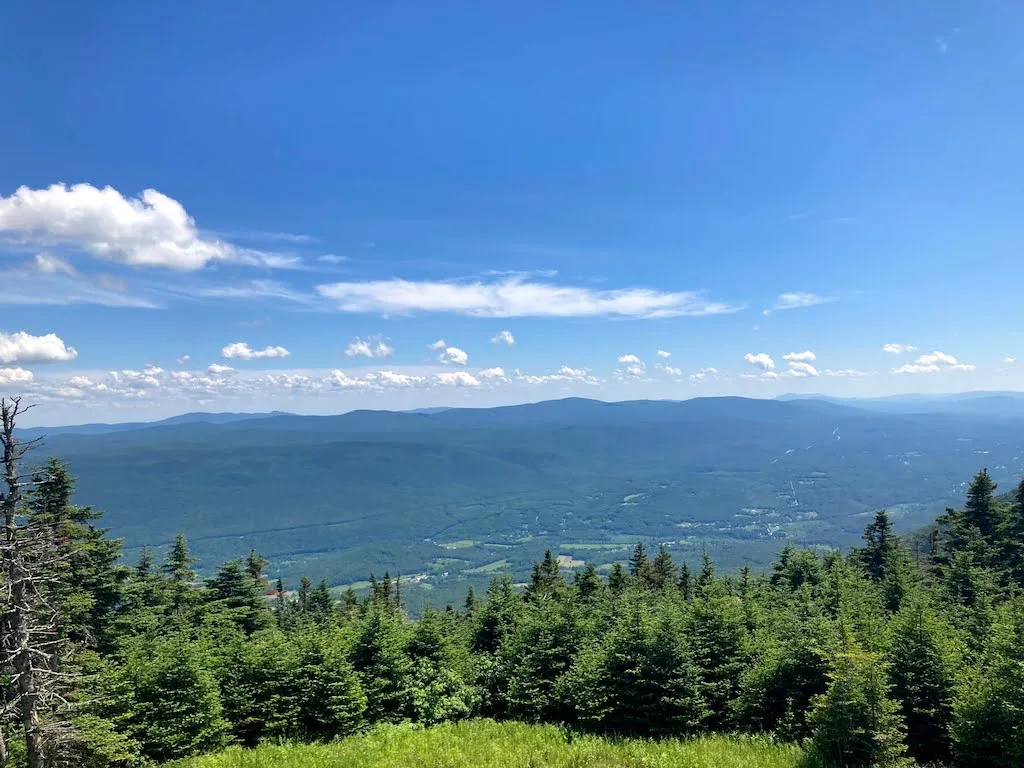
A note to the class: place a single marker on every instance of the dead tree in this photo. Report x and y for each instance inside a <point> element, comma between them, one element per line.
<point>31,644</point>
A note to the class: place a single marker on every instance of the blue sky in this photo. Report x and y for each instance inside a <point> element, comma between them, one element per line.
<point>730,183</point>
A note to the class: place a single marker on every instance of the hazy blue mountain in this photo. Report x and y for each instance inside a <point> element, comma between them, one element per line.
<point>990,403</point>
<point>469,491</point>
<point>31,433</point>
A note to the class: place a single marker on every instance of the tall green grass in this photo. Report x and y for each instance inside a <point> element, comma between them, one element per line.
<point>489,744</point>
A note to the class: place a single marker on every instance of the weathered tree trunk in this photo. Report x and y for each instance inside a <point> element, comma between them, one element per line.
<point>17,639</point>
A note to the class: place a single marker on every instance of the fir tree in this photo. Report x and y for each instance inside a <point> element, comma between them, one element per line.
<point>922,675</point>
<point>662,570</point>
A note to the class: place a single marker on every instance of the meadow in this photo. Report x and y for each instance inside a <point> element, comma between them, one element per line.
<point>490,744</point>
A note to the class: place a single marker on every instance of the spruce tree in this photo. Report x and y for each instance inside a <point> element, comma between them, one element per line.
<point>987,730</point>
<point>232,595</point>
<point>855,722</point>
<point>639,566</point>
<point>662,570</point>
<point>922,665</point>
<point>685,582</point>
<point>877,557</point>
<point>379,658</point>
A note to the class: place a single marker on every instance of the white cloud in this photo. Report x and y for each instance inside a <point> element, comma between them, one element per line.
<point>801,370</point>
<point>15,376</point>
<point>453,356</point>
<point>374,346</point>
<point>564,374</point>
<point>183,359</point>
<point>898,349</point>
<point>439,344</point>
<point>800,357</point>
<point>847,373</point>
<point>23,347</point>
<point>670,370</point>
<point>457,379</point>
<point>492,373</point>
<point>934,362</point>
<point>515,297</point>
<point>764,376</point>
<point>1009,360</point>
<point>49,264</point>
<point>152,230</point>
<point>394,379</point>
<point>663,353</point>
<point>240,350</point>
<point>28,287</point>
<point>256,289</point>
<point>504,337</point>
<point>630,360</point>
<point>703,375</point>
<point>217,369</point>
<point>762,360</point>
<point>798,299</point>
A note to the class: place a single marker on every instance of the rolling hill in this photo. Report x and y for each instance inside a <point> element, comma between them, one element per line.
<point>463,493</point>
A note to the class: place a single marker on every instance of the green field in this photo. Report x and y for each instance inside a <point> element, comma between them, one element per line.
<point>488,744</point>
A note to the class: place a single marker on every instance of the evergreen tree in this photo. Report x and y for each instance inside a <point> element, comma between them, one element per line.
<point>586,584</point>
<point>662,571</point>
<point>233,595</point>
<point>639,566</point>
<point>1012,537</point>
<point>378,656</point>
<point>617,579</point>
<point>175,708</point>
<point>685,582</point>
<point>440,690</point>
<point>641,679</point>
<point>988,731</point>
<point>716,632</point>
<point>546,577</point>
<point>320,604</point>
<point>855,722</point>
<point>330,700</point>
<point>877,557</point>
<point>922,665</point>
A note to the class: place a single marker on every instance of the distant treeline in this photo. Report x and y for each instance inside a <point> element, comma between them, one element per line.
<point>878,656</point>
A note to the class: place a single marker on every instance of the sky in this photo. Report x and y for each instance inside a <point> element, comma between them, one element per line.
<point>251,206</point>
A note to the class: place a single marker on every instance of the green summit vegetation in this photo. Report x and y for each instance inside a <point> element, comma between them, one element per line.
<point>489,744</point>
<point>884,655</point>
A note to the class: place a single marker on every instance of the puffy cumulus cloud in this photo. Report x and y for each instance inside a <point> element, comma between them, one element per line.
<point>703,375</point>
<point>565,374</point>
<point>1009,359</point>
<point>670,370</point>
<point>630,367</point>
<point>515,297</point>
<point>375,346</point>
<point>183,360</point>
<point>240,350</point>
<point>796,300</point>
<point>457,379</point>
<point>800,357</point>
<point>492,374</point>
<point>763,376</point>
<point>152,230</point>
<point>216,369</point>
<point>801,370</point>
<point>453,356</point>
<point>630,360</point>
<point>439,344</point>
<point>662,353</point>
<point>503,337</point>
<point>898,349</point>
<point>15,376</point>
<point>22,347</point>
<point>934,362</point>
<point>761,359</point>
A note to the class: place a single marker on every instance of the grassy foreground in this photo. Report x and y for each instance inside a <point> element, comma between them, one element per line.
<point>488,744</point>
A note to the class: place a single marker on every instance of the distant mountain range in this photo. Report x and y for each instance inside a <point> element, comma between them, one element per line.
<point>995,403</point>
<point>463,493</point>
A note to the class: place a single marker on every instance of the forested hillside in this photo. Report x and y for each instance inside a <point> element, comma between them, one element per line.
<point>464,493</point>
<point>876,656</point>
